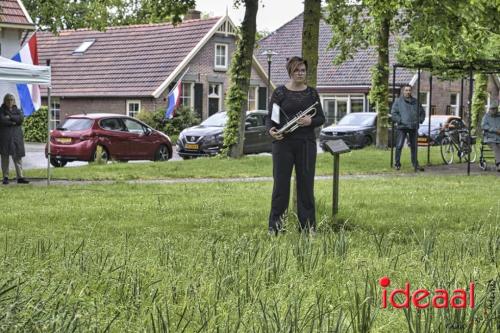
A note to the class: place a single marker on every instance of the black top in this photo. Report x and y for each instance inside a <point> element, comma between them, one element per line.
<point>291,103</point>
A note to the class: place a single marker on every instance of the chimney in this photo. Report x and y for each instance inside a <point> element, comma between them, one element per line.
<point>192,14</point>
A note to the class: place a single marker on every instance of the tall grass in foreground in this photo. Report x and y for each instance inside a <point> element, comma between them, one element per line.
<point>128,258</point>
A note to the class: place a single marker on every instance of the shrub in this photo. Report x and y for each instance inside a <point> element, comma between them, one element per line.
<point>184,117</point>
<point>35,126</point>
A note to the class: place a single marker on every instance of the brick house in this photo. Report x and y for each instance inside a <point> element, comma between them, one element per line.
<point>131,68</point>
<point>345,88</point>
<point>15,28</point>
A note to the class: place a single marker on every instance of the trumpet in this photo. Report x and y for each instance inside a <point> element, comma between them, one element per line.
<point>292,125</point>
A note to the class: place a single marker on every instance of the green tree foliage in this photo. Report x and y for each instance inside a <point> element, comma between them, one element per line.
<point>35,126</point>
<point>184,117</point>
<point>241,66</point>
<point>479,99</point>
<point>55,15</point>
<point>368,23</point>
<point>151,11</point>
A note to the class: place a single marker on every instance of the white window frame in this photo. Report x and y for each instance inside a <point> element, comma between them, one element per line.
<point>426,104</point>
<point>226,60</point>
<point>54,122</point>
<point>84,46</point>
<point>255,100</point>
<point>455,107</point>
<point>133,101</point>
<point>342,98</point>
<point>190,94</point>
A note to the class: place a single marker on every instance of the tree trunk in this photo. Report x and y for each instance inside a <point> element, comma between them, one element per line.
<point>310,38</point>
<point>479,99</point>
<point>241,67</point>
<point>379,94</point>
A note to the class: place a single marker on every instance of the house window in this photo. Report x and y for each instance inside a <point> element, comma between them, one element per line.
<point>187,95</point>
<point>337,106</point>
<point>220,56</point>
<point>252,98</point>
<point>55,112</point>
<point>424,101</point>
<point>454,104</point>
<point>214,98</point>
<point>133,108</point>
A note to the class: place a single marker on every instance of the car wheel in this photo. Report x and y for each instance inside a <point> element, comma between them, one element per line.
<point>101,155</point>
<point>162,154</point>
<point>368,141</point>
<point>58,163</point>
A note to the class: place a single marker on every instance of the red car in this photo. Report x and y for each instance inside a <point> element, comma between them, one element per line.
<point>86,137</point>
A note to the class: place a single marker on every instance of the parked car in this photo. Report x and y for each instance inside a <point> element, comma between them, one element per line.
<point>438,124</point>
<point>207,138</point>
<point>85,137</point>
<point>357,129</point>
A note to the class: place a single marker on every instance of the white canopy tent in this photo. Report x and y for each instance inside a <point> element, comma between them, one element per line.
<point>15,72</point>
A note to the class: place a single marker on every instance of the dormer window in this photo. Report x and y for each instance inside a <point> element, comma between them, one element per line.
<point>84,46</point>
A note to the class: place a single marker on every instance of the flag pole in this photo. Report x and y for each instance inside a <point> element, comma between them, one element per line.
<point>49,88</point>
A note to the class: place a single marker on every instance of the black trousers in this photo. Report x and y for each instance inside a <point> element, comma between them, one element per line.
<point>400,141</point>
<point>286,155</point>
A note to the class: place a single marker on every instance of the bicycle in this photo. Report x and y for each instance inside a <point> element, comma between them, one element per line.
<point>458,140</point>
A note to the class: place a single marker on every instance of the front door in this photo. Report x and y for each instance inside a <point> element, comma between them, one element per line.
<point>214,98</point>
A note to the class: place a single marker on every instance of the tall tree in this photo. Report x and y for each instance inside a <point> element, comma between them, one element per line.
<point>241,66</point>
<point>310,38</point>
<point>358,25</point>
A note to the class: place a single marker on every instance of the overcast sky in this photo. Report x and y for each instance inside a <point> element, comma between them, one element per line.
<point>271,14</point>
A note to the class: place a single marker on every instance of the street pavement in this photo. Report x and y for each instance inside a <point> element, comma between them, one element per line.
<point>35,157</point>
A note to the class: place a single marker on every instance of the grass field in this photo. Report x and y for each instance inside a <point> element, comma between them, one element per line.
<point>197,257</point>
<point>363,161</point>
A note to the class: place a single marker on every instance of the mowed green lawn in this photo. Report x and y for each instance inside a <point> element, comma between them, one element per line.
<point>197,257</point>
<point>362,161</point>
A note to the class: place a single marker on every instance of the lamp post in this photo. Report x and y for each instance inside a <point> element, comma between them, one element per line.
<point>269,53</point>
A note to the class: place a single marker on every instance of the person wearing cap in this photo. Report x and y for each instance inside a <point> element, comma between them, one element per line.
<point>491,129</point>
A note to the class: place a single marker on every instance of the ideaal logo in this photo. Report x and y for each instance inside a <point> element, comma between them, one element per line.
<point>423,298</point>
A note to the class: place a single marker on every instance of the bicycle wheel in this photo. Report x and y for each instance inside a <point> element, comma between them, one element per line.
<point>447,150</point>
<point>473,153</point>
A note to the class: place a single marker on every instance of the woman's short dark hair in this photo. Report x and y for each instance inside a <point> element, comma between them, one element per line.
<point>293,63</point>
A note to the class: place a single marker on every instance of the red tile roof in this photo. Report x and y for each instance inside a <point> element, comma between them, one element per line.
<point>356,72</point>
<point>123,61</point>
<point>11,12</point>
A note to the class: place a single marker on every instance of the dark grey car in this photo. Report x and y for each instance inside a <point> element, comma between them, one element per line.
<point>357,129</point>
<point>207,138</point>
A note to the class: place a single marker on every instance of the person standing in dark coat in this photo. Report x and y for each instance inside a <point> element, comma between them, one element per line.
<point>407,116</point>
<point>297,148</point>
<point>11,138</point>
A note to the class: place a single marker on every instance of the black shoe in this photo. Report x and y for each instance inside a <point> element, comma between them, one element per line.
<point>398,167</point>
<point>22,181</point>
<point>5,181</point>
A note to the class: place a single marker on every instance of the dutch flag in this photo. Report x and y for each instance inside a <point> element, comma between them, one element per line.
<point>174,98</point>
<point>29,94</point>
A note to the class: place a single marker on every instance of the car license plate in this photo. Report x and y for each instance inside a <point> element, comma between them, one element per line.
<point>64,140</point>
<point>191,146</point>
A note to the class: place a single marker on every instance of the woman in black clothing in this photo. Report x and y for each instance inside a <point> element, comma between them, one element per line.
<point>297,148</point>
